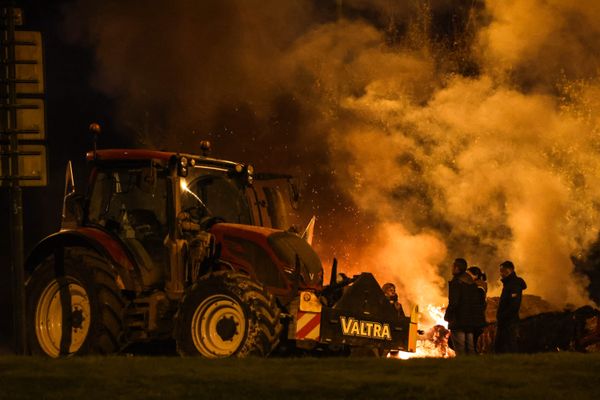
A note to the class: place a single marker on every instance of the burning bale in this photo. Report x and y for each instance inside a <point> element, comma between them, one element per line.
<point>434,343</point>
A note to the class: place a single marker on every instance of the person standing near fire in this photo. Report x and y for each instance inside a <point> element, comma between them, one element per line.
<point>389,289</point>
<point>481,282</point>
<point>507,316</point>
<point>461,313</point>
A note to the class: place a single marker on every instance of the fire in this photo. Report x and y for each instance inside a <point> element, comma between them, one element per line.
<point>433,343</point>
<point>437,315</point>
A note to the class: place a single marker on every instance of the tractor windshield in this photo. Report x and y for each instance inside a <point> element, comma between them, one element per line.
<point>288,246</point>
<point>212,193</point>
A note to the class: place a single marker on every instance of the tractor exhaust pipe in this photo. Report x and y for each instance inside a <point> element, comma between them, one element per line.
<point>332,278</point>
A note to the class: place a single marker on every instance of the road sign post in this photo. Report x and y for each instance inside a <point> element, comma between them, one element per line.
<point>22,147</point>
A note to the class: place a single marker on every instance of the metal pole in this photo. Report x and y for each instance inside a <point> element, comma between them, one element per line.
<point>16,198</point>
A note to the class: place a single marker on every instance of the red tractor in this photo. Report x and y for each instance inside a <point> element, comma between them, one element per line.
<point>177,246</point>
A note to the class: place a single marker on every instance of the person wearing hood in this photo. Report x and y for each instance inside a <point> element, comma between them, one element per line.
<point>461,314</point>
<point>507,316</point>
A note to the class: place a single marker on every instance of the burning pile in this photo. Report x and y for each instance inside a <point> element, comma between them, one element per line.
<point>434,341</point>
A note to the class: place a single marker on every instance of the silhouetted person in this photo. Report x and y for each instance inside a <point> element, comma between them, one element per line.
<point>507,316</point>
<point>461,313</point>
<point>480,281</point>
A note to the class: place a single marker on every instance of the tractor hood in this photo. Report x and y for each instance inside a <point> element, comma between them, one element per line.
<point>269,254</point>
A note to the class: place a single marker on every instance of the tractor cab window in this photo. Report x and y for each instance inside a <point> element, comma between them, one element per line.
<point>132,203</point>
<point>212,194</point>
<point>122,194</point>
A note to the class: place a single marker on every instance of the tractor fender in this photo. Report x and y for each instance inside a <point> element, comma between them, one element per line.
<point>95,239</point>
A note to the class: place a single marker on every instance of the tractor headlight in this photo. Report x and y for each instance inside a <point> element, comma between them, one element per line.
<point>183,161</point>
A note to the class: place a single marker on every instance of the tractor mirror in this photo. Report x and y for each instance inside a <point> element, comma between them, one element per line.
<point>72,216</point>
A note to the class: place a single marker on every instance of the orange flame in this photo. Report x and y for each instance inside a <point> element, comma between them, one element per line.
<point>434,342</point>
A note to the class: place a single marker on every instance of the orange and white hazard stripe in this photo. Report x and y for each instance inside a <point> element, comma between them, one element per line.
<point>308,326</point>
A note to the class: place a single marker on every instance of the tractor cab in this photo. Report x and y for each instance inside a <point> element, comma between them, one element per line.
<point>162,206</point>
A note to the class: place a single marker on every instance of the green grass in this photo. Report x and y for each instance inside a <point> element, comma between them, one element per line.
<point>565,376</point>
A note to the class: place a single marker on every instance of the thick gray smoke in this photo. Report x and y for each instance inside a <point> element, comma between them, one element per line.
<point>423,130</point>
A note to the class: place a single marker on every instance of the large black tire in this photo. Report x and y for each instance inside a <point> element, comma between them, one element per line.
<point>227,314</point>
<point>97,307</point>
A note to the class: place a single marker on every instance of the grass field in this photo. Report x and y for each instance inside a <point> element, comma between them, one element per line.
<point>565,376</point>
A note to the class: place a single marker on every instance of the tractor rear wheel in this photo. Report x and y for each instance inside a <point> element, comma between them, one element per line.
<point>95,324</point>
<point>227,314</point>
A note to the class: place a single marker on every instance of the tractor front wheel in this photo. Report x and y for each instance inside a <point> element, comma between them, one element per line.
<point>227,315</point>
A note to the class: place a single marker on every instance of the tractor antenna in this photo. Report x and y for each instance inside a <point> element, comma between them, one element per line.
<point>95,131</point>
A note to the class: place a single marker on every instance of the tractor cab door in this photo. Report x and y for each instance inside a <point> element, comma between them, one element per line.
<point>130,202</point>
<point>274,201</point>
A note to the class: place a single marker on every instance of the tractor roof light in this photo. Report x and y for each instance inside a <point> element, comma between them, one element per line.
<point>249,172</point>
<point>182,166</point>
<point>245,172</point>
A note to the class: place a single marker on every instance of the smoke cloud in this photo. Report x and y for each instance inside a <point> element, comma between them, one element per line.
<point>423,131</point>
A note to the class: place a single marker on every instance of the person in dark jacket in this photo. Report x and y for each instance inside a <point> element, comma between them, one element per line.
<point>507,316</point>
<point>461,314</point>
<point>480,281</point>
<point>389,289</point>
